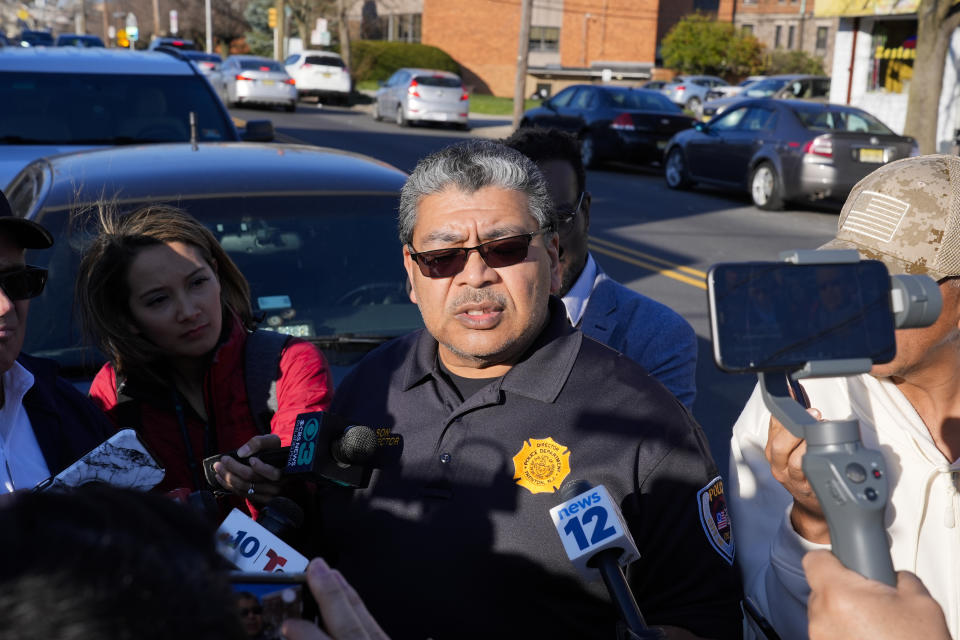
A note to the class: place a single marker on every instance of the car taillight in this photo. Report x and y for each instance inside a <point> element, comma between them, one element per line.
<point>306,65</point>
<point>623,122</point>
<point>464,95</point>
<point>207,65</point>
<point>290,81</point>
<point>819,146</point>
<point>240,76</point>
<point>412,89</point>
<point>680,88</point>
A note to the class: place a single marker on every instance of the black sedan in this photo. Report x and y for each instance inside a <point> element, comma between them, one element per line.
<point>782,150</point>
<point>612,123</point>
<point>313,230</point>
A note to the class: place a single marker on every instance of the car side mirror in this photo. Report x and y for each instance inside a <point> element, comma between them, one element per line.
<point>700,126</point>
<point>258,131</point>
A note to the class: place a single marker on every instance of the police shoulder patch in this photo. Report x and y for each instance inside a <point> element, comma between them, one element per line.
<point>715,518</point>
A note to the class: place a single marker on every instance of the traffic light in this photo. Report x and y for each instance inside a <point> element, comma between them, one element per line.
<point>122,40</point>
<point>272,17</point>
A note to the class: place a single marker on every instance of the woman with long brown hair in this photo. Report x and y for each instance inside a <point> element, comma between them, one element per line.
<point>172,312</point>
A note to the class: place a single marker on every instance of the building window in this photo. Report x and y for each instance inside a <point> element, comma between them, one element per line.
<point>749,2</point>
<point>544,38</point>
<point>894,50</point>
<point>777,33</point>
<point>822,38</point>
<point>790,31</point>
<point>747,29</point>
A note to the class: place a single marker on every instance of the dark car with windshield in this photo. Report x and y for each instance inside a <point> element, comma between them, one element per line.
<point>58,99</point>
<point>313,230</point>
<point>612,123</point>
<point>784,150</point>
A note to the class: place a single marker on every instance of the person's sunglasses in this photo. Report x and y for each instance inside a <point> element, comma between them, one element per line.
<point>23,283</point>
<point>565,218</point>
<point>254,610</point>
<point>503,252</point>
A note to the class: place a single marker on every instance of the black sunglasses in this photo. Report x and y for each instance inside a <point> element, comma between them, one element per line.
<point>254,610</point>
<point>503,252</point>
<point>23,283</point>
<point>565,218</point>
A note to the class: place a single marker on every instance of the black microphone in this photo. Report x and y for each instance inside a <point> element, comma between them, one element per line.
<point>608,547</point>
<point>323,447</point>
<point>282,517</point>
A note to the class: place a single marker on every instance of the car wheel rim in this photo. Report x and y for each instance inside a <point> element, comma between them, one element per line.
<point>674,168</point>
<point>762,185</point>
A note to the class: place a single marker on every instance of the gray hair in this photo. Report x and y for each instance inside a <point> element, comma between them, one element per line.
<point>470,166</point>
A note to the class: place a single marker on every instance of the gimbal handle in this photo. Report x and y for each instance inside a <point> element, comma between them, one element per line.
<point>849,480</point>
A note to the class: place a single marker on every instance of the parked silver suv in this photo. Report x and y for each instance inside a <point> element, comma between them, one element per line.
<point>423,95</point>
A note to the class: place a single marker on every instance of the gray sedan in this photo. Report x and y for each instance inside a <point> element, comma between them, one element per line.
<point>781,150</point>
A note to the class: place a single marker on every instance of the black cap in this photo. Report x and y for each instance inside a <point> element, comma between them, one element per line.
<point>27,233</point>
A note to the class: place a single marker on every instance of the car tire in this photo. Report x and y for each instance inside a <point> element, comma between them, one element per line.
<point>290,108</point>
<point>694,105</point>
<point>401,118</point>
<point>766,188</point>
<point>588,151</point>
<point>675,170</point>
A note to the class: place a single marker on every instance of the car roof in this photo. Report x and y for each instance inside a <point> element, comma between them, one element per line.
<point>93,60</point>
<point>435,72</point>
<point>135,173</point>
<point>318,52</point>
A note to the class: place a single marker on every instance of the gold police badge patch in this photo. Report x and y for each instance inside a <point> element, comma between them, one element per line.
<point>541,465</point>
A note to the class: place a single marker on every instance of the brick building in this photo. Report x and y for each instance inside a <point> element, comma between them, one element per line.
<point>570,40</point>
<point>784,24</point>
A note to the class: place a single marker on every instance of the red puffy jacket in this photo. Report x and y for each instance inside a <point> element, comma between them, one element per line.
<point>305,384</point>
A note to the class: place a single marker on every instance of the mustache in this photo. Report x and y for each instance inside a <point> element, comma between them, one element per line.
<point>478,296</point>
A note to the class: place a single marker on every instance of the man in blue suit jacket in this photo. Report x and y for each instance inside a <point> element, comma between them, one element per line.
<point>641,328</point>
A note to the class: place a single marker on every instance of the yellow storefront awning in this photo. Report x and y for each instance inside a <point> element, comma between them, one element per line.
<point>852,8</point>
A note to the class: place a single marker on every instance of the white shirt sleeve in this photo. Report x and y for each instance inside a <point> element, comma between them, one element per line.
<point>769,551</point>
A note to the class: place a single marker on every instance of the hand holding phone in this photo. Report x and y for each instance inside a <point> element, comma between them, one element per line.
<point>344,615</point>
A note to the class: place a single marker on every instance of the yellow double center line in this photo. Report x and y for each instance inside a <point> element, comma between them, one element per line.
<point>687,275</point>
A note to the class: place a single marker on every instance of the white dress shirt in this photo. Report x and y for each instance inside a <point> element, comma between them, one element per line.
<point>22,465</point>
<point>579,295</point>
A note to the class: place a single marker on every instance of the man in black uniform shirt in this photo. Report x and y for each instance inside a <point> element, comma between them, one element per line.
<point>499,401</point>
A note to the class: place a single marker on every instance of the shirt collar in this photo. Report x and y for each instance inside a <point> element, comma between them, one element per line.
<point>579,295</point>
<point>539,374</point>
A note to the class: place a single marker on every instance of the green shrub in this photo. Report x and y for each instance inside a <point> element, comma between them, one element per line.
<point>376,60</point>
<point>780,62</point>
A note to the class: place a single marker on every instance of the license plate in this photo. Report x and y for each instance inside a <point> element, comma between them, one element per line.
<point>874,156</point>
<point>326,75</point>
<point>269,83</point>
<point>661,145</point>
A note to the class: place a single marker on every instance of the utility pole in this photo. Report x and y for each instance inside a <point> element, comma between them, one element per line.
<point>209,16</point>
<point>106,25</point>
<point>523,49</point>
<point>281,30</point>
<point>156,18</point>
<point>343,29</point>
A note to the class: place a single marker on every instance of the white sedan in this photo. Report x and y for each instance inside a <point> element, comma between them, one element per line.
<point>247,80</point>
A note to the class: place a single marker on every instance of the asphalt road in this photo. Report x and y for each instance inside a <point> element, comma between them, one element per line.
<point>654,240</point>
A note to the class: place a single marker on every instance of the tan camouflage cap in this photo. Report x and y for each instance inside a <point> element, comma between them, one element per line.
<point>907,215</point>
